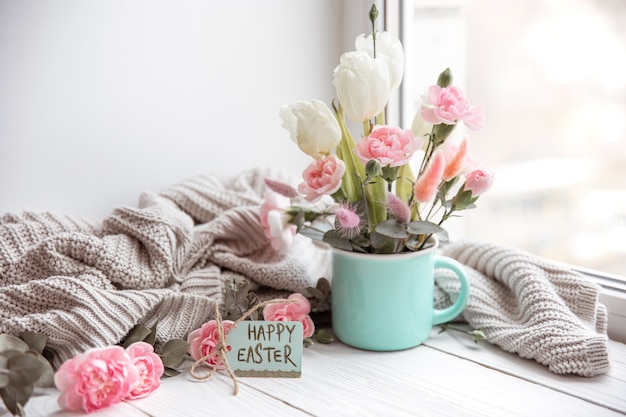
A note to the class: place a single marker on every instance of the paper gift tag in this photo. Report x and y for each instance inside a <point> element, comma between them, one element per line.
<point>266,349</point>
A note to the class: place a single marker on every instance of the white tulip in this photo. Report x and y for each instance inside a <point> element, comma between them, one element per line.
<point>362,85</point>
<point>312,126</point>
<point>388,48</point>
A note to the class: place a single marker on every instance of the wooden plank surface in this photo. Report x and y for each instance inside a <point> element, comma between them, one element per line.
<point>447,376</point>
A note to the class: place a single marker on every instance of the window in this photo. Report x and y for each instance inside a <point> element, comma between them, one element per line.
<point>551,75</point>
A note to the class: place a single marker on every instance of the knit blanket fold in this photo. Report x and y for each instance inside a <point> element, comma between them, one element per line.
<point>530,306</point>
<point>87,283</point>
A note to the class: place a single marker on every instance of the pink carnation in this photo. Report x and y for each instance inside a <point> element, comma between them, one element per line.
<point>204,342</point>
<point>149,366</point>
<point>322,176</point>
<point>293,311</point>
<point>389,145</point>
<point>478,182</point>
<point>275,220</point>
<point>449,105</point>
<point>96,379</point>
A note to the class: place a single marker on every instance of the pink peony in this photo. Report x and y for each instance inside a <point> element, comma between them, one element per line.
<point>478,182</point>
<point>293,311</point>
<point>149,366</point>
<point>275,220</point>
<point>204,341</point>
<point>322,176</point>
<point>427,185</point>
<point>389,145</point>
<point>96,379</point>
<point>449,105</point>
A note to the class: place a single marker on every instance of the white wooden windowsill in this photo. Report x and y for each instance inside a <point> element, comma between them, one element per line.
<point>449,375</point>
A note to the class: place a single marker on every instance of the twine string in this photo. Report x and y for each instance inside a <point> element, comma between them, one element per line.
<point>222,348</point>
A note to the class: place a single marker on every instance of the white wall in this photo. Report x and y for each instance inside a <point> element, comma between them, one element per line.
<point>103,99</point>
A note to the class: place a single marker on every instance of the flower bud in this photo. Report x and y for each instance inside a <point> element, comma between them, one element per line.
<point>445,78</point>
<point>372,168</point>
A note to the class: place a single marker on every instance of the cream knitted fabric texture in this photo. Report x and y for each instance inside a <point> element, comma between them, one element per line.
<point>86,284</point>
<point>531,306</point>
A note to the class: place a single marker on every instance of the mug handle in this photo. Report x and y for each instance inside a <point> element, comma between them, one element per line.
<point>449,313</point>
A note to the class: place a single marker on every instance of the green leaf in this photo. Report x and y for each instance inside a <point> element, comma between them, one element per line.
<point>169,372</point>
<point>308,342</point>
<point>24,370</point>
<point>136,334</point>
<point>422,227</point>
<point>151,337</point>
<point>173,353</point>
<point>15,398</point>
<point>324,336</point>
<point>392,228</point>
<point>382,243</point>
<point>4,376</point>
<point>46,380</point>
<point>35,341</point>
<point>8,342</point>
<point>332,238</point>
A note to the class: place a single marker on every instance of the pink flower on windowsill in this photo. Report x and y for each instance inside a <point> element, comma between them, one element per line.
<point>204,341</point>
<point>149,366</point>
<point>96,379</point>
<point>478,182</point>
<point>297,310</point>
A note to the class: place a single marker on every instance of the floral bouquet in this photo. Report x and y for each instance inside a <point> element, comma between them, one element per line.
<point>379,205</point>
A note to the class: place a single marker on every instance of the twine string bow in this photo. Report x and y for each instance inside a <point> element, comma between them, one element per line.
<point>222,348</point>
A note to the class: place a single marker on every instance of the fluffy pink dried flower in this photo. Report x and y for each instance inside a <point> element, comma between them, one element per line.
<point>398,208</point>
<point>347,221</point>
<point>427,184</point>
<point>455,158</point>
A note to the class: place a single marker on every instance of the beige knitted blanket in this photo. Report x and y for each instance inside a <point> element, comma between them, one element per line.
<point>86,284</point>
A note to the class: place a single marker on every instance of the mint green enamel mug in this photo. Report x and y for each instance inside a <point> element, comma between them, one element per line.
<point>385,302</point>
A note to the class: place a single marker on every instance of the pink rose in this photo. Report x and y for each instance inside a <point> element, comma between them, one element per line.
<point>293,311</point>
<point>478,182</point>
<point>149,366</point>
<point>96,379</point>
<point>275,220</point>
<point>389,145</point>
<point>204,341</point>
<point>449,105</point>
<point>322,176</point>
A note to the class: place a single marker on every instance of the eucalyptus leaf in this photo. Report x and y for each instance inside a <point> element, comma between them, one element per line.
<point>422,227</point>
<point>169,372</point>
<point>151,337</point>
<point>173,353</point>
<point>332,238</point>
<point>8,342</point>
<point>4,375</point>
<point>392,228</point>
<point>324,286</point>
<point>382,244</point>
<point>324,336</point>
<point>15,398</point>
<point>46,380</point>
<point>136,334</point>
<point>315,293</point>
<point>24,370</point>
<point>35,341</point>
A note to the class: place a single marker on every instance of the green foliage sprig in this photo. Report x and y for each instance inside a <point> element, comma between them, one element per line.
<point>22,368</point>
